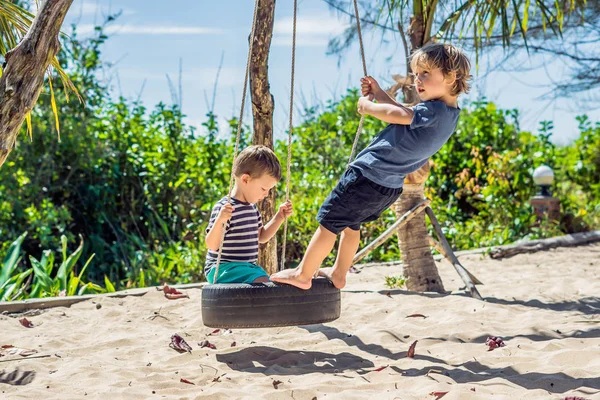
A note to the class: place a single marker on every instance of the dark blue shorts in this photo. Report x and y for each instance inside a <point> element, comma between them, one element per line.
<point>353,201</point>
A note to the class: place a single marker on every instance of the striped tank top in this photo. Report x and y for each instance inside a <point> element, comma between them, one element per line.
<point>241,234</point>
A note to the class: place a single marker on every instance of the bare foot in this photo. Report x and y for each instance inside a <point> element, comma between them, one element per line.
<point>292,277</point>
<point>338,279</point>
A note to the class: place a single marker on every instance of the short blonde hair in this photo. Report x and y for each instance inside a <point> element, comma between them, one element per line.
<point>256,161</point>
<point>448,59</point>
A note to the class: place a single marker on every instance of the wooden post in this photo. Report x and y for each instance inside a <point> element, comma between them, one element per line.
<point>446,250</point>
<point>262,111</point>
<point>451,256</point>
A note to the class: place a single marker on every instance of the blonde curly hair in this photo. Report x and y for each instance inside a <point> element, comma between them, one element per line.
<point>449,59</point>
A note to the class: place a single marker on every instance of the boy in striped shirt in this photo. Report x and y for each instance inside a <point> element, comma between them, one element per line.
<point>256,171</point>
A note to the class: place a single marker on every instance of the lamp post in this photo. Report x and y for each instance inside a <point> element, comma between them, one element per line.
<point>543,203</point>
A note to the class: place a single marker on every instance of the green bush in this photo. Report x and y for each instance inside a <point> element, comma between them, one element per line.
<point>482,182</point>
<point>134,183</point>
<point>395,282</point>
<point>43,279</point>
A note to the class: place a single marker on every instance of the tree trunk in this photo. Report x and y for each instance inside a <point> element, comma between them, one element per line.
<point>23,77</point>
<point>262,111</point>
<point>420,270</point>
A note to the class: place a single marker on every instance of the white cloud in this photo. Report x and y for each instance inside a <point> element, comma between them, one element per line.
<point>87,8</point>
<point>151,30</point>
<point>312,26</point>
<point>91,8</point>
<point>309,31</point>
<point>287,41</point>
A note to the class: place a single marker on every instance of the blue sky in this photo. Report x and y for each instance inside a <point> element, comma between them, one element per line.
<point>150,38</point>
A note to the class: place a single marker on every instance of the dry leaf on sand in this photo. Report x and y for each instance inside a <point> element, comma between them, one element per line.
<point>26,323</point>
<point>179,344</point>
<point>411,350</point>
<point>172,293</point>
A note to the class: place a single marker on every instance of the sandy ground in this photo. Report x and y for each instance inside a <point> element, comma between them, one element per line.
<point>545,306</point>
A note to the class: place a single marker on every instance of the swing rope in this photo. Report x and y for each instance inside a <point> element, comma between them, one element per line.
<point>290,132</point>
<point>360,123</point>
<point>239,131</point>
<point>364,64</point>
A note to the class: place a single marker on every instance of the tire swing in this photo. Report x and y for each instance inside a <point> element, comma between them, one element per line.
<point>261,305</point>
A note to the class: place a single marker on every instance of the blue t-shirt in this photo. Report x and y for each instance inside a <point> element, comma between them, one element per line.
<point>399,150</point>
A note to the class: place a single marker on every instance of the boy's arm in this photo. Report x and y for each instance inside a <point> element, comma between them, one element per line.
<point>370,86</point>
<point>383,97</point>
<point>219,217</point>
<point>265,233</point>
<point>214,235</point>
<point>390,113</point>
<point>268,231</point>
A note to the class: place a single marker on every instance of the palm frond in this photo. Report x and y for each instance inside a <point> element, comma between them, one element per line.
<point>505,18</point>
<point>477,21</point>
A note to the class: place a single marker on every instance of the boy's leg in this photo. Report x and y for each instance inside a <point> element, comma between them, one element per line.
<point>319,248</point>
<point>349,242</point>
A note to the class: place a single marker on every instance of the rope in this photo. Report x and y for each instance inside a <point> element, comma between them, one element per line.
<point>239,131</point>
<point>360,39</point>
<point>290,132</point>
<point>364,64</point>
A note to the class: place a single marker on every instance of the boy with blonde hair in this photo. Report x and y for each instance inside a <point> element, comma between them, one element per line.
<point>256,171</point>
<point>374,180</point>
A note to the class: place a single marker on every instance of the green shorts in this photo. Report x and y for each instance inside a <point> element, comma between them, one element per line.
<point>236,272</point>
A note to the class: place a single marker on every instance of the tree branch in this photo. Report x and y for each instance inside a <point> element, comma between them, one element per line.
<point>23,77</point>
<point>566,54</point>
<point>335,6</point>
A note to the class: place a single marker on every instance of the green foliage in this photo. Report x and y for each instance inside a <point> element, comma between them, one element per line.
<point>47,280</point>
<point>482,182</point>
<point>137,184</point>
<point>477,23</point>
<point>579,179</point>
<point>65,281</point>
<point>11,280</point>
<point>395,282</point>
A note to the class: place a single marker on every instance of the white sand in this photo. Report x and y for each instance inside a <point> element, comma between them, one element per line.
<point>546,307</point>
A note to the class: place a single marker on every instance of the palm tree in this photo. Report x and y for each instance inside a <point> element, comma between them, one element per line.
<point>476,22</point>
<point>29,46</point>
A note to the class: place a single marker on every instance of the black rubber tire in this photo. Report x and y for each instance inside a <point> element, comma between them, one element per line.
<point>261,305</point>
